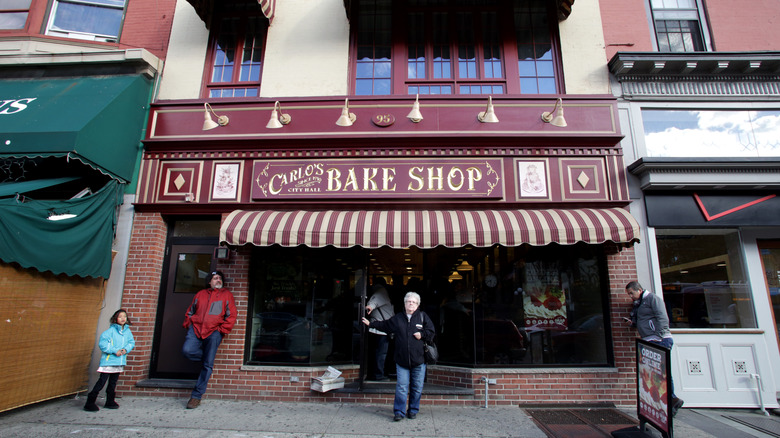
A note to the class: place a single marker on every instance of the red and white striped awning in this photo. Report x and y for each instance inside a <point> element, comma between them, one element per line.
<point>428,228</point>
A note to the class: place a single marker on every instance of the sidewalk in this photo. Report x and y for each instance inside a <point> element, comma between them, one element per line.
<point>167,417</point>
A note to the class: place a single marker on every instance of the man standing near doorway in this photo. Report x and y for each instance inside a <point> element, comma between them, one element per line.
<point>209,318</point>
<point>379,308</point>
<point>648,315</point>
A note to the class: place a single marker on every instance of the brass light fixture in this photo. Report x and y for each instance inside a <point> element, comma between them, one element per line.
<point>278,118</point>
<point>347,118</point>
<point>455,276</point>
<point>555,120</point>
<point>415,115</point>
<point>464,266</point>
<point>208,122</point>
<point>488,116</point>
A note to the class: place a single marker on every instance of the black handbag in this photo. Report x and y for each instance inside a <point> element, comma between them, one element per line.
<point>431,352</point>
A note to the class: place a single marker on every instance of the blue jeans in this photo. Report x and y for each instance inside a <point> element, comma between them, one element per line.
<point>402,391</point>
<point>667,343</point>
<point>204,351</point>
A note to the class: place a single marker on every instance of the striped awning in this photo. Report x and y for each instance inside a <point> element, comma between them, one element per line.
<point>428,228</point>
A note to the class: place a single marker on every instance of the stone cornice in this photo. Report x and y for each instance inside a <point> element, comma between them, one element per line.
<point>701,74</point>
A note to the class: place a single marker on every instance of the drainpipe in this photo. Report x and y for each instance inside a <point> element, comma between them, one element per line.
<point>760,396</point>
<point>490,382</point>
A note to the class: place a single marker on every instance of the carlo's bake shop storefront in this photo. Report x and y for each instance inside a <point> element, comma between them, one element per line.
<point>514,233</point>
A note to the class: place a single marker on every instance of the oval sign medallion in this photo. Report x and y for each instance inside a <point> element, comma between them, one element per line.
<point>383,120</point>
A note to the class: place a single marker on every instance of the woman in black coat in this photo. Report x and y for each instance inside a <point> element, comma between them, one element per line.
<point>410,328</point>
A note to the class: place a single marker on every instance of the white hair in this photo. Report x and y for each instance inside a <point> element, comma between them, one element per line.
<point>412,295</point>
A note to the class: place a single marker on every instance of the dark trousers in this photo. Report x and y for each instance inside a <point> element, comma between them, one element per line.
<point>203,351</point>
<point>110,390</point>
<point>380,354</point>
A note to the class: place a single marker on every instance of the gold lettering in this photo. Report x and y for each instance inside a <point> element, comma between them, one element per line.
<point>439,178</point>
<point>388,174</point>
<point>333,180</point>
<point>416,177</point>
<point>272,187</point>
<point>451,178</point>
<point>369,173</point>
<point>474,175</point>
<point>351,180</point>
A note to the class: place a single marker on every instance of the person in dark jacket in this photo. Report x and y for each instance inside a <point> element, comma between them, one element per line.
<point>410,328</point>
<point>648,316</point>
<point>208,319</point>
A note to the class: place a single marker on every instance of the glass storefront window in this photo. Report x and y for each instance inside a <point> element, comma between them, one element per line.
<point>683,133</point>
<point>704,279</point>
<point>492,307</point>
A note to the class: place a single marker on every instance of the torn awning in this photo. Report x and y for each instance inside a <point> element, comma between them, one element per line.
<point>96,120</point>
<point>428,228</point>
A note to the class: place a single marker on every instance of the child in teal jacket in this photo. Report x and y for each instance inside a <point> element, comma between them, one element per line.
<point>114,345</point>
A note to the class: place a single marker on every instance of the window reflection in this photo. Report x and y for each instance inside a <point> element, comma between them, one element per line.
<point>682,133</point>
<point>492,307</point>
<point>704,281</point>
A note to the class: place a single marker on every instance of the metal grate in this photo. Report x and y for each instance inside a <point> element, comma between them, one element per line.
<point>603,416</point>
<point>554,416</point>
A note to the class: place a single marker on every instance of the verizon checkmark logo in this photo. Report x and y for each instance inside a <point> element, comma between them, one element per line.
<point>710,217</point>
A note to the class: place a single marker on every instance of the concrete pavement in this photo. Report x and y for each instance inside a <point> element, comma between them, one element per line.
<point>167,417</point>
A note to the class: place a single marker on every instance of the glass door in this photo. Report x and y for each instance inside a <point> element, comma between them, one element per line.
<point>188,266</point>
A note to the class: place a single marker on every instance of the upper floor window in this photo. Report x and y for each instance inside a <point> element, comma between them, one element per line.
<point>13,14</point>
<point>236,56</point>
<point>470,47</point>
<point>678,26</point>
<point>95,20</point>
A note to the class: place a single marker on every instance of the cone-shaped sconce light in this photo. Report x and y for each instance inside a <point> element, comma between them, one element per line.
<point>415,115</point>
<point>278,118</point>
<point>488,116</point>
<point>208,122</point>
<point>553,118</point>
<point>347,118</point>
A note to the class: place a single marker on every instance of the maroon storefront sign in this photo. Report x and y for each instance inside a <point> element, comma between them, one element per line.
<point>399,178</point>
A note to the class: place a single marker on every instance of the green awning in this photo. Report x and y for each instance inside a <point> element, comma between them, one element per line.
<point>77,244</point>
<point>96,120</point>
<point>13,188</point>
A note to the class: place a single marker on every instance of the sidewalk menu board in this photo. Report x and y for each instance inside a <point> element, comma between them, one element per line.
<point>654,397</point>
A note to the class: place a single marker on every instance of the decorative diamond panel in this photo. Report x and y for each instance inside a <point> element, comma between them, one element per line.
<point>694,367</point>
<point>179,181</point>
<point>584,179</point>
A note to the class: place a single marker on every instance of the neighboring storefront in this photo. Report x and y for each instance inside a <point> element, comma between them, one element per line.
<point>69,146</point>
<point>514,233</point>
<point>704,158</point>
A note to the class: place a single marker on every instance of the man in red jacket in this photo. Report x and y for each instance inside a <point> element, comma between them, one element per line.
<point>211,316</point>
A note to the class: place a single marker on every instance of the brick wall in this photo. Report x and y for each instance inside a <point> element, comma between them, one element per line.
<point>148,24</point>
<point>230,381</point>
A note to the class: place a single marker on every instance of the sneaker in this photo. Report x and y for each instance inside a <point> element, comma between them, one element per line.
<point>398,417</point>
<point>193,403</point>
<point>676,405</point>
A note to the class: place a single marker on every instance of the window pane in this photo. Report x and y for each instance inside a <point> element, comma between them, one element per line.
<point>681,133</point>
<point>14,4</point>
<point>467,51</point>
<point>704,279</point>
<point>253,50</point>
<point>534,49</point>
<point>13,20</point>
<point>96,20</point>
<point>416,46</point>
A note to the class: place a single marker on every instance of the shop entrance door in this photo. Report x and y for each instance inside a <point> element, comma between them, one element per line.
<point>770,262</point>
<point>185,275</point>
